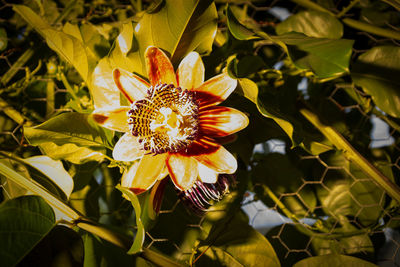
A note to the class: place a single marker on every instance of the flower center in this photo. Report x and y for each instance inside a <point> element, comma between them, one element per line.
<point>166,120</point>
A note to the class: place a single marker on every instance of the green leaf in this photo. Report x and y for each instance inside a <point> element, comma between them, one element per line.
<point>54,170</point>
<point>193,29</point>
<point>61,247</point>
<point>326,58</point>
<point>240,245</point>
<point>276,171</point>
<point>24,221</point>
<point>70,136</point>
<point>333,260</point>
<point>3,39</point>
<point>313,24</point>
<point>140,233</point>
<point>238,30</point>
<point>376,71</point>
<point>67,46</point>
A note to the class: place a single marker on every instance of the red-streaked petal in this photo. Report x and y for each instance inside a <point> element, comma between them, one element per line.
<point>128,148</point>
<point>131,86</point>
<point>202,145</point>
<point>183,171</point>
<point>115,119</point>
<point>206,174</point>
<point>156,197</point>
<point>149,169</point>
<point>221,161</point>
<point>215,90</point>
<point>159,67</point>
<point>219,121</point>
<point>190,73</point>
<point>104,91</point>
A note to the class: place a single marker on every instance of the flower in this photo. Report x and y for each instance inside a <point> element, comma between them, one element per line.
<point>171,123</point>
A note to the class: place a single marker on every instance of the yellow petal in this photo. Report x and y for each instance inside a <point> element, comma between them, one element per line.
<point>190,72</point>
<point>115,119</point>
<point>221,161</point>
<point>206,174</point>
<point>183,171</point>
<point>104,91</point>
<point>215,90</point>
<point>131,86</point>
<point>148,172</point>
<point>128,148</point>
<point>217,121</point>
<point>127,177</point>
<point>159,67</point>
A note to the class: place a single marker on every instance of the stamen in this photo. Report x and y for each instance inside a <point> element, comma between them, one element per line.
<point>166,120</point>
<point>202,195</point>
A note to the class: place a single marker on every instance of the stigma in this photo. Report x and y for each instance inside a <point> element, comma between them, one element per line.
<point>166,120</point>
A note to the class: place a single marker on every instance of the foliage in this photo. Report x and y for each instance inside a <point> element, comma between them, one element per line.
<point>314,81</point>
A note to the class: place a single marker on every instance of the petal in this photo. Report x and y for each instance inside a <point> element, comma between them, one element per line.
<point>219,121</point>
<point>159,67</point>
<point>206,174</point>
<point>190,72</point>
<point>115,119</point>
<point>104,91</point>
<point>183,171</point>
<point>221,161</point>
<point>215,90</point>
<point>131,86</point>
<point>127,177</point>
<point>148,172</point>
<point>127,148</point>
<point>202,145</point>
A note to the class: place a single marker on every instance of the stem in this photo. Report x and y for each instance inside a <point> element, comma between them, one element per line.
<point>158,259</point>
<point>50,98</point>
<point>352,154</point>
<point>347,8</point>
<point>17,66</point>
<point>13,114</point>
<point>104,233</point>
<point>65,11</point>
<point>70,91</point>
<point>362,26</point>
<point>312,5</point>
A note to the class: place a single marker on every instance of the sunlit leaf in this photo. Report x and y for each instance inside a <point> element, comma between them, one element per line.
<point>3,39</point>
<point>238,30</point>
<point>70,136</point>
<point>324,57</point>
<point>193,29</point>
<point>67,46</point>
<point>54,170</point>
<point>376,71</point>
<point>24,221</point>
<point>313,24</point>
<point>333,260</point>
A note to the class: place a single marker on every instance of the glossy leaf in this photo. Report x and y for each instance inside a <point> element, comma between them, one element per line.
<point>238,30</point>
<point>376,71</point>
<point>240,245</point>
<point>193,29</point>
<point>313,24</point>
<point>325,57</point>
<point>67,46</point>
<point>70,136</point>
<point>24,221</point>
<point>54,170</point>
<point>333,260</point>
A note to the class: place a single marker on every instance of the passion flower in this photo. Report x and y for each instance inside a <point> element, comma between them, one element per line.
<point>172,122</point>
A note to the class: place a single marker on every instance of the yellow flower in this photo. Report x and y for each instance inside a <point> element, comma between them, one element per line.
<point>171,123</point>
